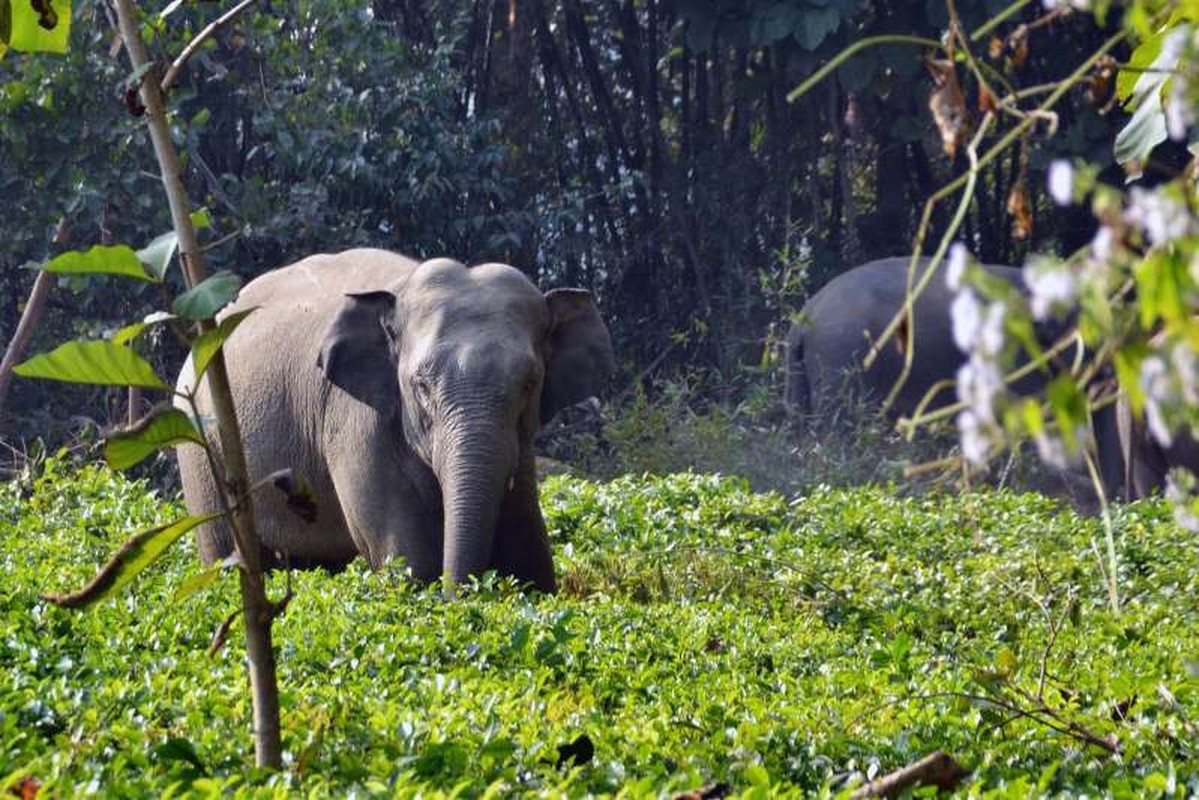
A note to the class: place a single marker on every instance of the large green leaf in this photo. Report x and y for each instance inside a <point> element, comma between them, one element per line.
<point>1147,127</point>
<point>100,260</point>
<point>100,362</point>
<point>163,427</point>
<point>157,254</point>
<point>138,552</point>
<point>44,26</point>
<point>209,342</point>
<point>203,301</point>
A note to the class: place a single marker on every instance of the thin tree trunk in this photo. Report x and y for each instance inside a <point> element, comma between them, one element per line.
<point>257,609</point>
<point>30,317</point>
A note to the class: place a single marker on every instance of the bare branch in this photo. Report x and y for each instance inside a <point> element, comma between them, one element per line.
<point>173,73</point>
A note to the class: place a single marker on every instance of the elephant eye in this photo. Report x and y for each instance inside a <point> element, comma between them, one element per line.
<point>422,389</point>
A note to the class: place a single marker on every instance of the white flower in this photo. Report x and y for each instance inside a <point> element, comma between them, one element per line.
<point>1052,450</point>
<point>979,382</point>
<point>1155,382</point>
<point>966,314</point>
<point>1158,213</point>
<point>1180,499</point>
<point>975,442</point>
<point>990,339</point>
<point>1050,284</point>
<point>1180,112</point>
<point>1103,243</point>
<point>1061,182</point>
<point>977,326</point>
<point>959,256</point>
<point>1185,366</point>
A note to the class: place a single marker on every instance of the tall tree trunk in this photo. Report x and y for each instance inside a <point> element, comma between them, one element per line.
<point>257,610</point>
<point>30,317</point>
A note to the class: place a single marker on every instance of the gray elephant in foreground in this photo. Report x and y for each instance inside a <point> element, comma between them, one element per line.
<point>826,346</point>
<point>408,394</point>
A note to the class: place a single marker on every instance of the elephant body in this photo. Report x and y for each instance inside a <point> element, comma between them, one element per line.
<point>1132,463</point>
<point>825,348</point>
<point>408,394</point>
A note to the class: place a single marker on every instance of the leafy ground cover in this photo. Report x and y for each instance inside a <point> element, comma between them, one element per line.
<point>703,634</point>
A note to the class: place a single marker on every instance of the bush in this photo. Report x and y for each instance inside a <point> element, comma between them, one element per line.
<point>704,633</point>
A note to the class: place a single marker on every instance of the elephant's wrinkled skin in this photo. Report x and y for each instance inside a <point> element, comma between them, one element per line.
<point>826,346</point>
<point>408,394</point>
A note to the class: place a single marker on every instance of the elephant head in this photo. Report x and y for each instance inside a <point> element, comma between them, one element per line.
<point>467,363</point>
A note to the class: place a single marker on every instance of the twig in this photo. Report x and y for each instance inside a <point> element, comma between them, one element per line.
<point>169,79</point>
<point>930,269</point>
<point>999,147</point>
<point>936,769</point>
<point>221,241</point>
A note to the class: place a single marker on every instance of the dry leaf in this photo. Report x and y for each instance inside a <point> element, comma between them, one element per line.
<point>1101,83</point>
<point>995,48</point>
<point>986,101</point>
<point>1018,207</point>
<point>1018,46</point>
<point>947,103</point>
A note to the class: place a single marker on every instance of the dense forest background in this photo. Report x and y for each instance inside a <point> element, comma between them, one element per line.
<point>644,149</point>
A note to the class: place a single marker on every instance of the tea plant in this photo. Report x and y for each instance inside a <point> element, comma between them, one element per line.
<point>704,634</point>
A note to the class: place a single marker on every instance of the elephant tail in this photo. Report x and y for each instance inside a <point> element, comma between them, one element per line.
<point>797,392</point>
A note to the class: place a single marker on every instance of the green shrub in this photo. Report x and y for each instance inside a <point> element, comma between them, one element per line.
<point>704,633</point>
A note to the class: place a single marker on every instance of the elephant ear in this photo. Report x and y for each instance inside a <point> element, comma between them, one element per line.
<point>358,353</point>
<point>581,359</point>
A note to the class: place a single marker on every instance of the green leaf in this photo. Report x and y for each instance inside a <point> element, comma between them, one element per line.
<point>138,552</point>
<point>201,219</point>
<point>178,749</point>
<point>163,427</point>
<point>205,300</point>
<point>100,362</point>
<point>209,342</point>
<point>158,253</point>
<point>1140,60</point>
<point>1147,127</point>
<point>197,583</point>
<point>1145,130</point>
<point>130,332</point>
<point>100,260</point>
<point>46,29</point>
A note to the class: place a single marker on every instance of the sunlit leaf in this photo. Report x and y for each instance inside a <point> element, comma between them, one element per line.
<point>201,219</point>
<point>163,427</point>
<point>99,362</point>
<point>40,25</point>
<point>100,260</point>
<point>205,300</point>
<point>209,342</point>
<point>138,552</point>
<point>158,253</point>
<point>197,583</point>
<point>1147,127</point>
<point>130,332</point>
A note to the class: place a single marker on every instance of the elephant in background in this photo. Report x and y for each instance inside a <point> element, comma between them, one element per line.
<point>826,346</point>
<point>408,394</point>
<point>1132,463</point>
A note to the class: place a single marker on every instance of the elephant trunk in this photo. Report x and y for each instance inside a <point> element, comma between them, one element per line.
<point>474,473</point>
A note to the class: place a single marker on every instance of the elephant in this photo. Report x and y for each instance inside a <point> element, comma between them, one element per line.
<point>837,324</point>
<point>408,394</point>
<point>1132,464</point>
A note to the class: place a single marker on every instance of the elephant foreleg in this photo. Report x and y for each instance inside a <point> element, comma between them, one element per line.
<point>522,546</point>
